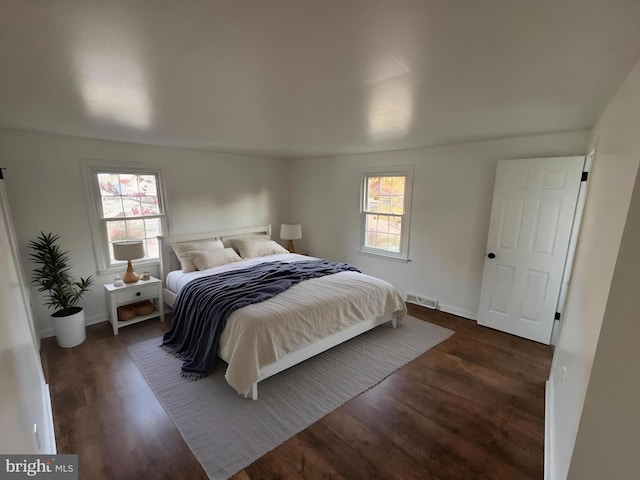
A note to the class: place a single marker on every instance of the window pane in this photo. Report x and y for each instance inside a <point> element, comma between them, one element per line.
<point>397,204</point>
<point>152,230</point>
<point>127,195</point>
<point>383,232</point>
<point>385,204</point>
<point>372,223</point>
<point>149,206</point>
<point>385,194</point>
<point>148,185</point>
<point>135,229</point>
<point>129,185</point>
<point>373,194</point>
<point>393,243</point>
<point>112,206</point>
<point>386,185</point>
<point>381,241</point>
<point>152,227</point>
<point>116,231</point>
<point>383,223</point>
<point>140,229</point>
<point>131,207</point>
<point>398,185</point>
<point>371,230</point>
<point>371,239</point>
<point>109,184</point>
<point>152,248</point>
<point>395,225</point>
<point>373,186</point>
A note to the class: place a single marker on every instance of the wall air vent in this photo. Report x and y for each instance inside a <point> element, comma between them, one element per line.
<point>422,301</point>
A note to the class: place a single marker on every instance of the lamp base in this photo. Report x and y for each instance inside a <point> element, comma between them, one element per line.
<point>290,246</point>
<point>130,276</point>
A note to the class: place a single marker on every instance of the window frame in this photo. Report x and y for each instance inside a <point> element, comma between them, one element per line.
<point>399,171</point>
<point>98,224</point>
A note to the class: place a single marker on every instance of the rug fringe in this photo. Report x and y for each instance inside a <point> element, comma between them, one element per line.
<point>192,376</point>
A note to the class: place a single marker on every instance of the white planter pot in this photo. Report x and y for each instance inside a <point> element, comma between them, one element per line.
<point>70,330</point>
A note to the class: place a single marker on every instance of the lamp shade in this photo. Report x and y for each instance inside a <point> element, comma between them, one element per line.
<point>128,250</point>
<point>290,231</point>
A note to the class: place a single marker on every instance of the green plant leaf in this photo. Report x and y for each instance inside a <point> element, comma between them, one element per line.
<point>53,274</point>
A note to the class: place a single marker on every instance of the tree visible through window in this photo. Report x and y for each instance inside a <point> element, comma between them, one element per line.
<point>131,209</point>
<point>385,211</point>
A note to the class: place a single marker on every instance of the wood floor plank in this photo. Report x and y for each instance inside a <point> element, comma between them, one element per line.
<point>425,437</point>
<point>470,408</point>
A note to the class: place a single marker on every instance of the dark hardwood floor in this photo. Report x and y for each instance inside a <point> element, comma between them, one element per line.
<point>470,408</point>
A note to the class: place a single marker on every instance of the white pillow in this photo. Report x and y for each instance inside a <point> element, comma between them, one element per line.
<point>213,258</point>
<point>249,248</point>
<point>182,251</point>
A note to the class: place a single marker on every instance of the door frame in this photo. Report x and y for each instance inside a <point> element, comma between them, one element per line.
<point>5,211</point>
<point>573,243</point>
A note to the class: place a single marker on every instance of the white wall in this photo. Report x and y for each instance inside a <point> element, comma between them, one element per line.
<point>24,395</point>
<point>452,195</point>
<point>611,185</point>
<point>609,433</point>
<point>206,191</point>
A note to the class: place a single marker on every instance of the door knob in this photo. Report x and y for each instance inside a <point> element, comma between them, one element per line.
<point>492,255</point>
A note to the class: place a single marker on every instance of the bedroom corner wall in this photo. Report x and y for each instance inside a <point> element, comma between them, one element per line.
<point>609,433</point>
<point>206,191</point>
<point>451,205</point>
<point>591,309</point>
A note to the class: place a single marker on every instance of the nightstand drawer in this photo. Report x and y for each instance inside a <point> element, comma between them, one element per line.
<point>132,294</point>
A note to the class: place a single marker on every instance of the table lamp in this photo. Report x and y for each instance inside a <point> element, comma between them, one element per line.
<point>290,232</point>
<point>128,251</point>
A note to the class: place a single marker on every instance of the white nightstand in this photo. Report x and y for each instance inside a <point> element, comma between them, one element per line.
<point>131,293</point>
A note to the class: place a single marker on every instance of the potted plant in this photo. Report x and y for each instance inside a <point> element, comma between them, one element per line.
<point>53,276</point>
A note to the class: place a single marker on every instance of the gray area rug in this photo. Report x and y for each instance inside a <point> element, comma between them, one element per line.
<point>227,432</point>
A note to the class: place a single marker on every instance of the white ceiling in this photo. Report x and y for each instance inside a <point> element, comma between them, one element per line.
<point>299,78</point>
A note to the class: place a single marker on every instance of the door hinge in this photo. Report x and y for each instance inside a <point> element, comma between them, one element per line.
<point>556,316</point>
<point>585,176</point>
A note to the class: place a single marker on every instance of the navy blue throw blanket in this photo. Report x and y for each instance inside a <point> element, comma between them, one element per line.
<point>203,306</point>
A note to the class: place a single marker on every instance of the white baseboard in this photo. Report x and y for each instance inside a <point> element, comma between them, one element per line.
<point>48,332</point>
<point>459,312</point>
<point>48,436</point>
<point>549,471</point>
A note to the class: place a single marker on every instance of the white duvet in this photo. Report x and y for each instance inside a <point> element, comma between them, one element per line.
<point>260,334</point>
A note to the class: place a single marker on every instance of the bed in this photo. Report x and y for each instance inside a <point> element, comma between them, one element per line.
<point>262,339</point>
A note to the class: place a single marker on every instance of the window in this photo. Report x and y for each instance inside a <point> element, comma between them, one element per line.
<point>128,205</point>
<point>386,205</point>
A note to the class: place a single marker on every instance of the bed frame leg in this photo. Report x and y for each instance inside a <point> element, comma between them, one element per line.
<point>394,322</point>
<point>253,394</point>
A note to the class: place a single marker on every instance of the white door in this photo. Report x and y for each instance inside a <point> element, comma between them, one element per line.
<point>534,202</point>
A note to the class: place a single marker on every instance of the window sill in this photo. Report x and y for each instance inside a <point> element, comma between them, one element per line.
<point>383,256</point>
